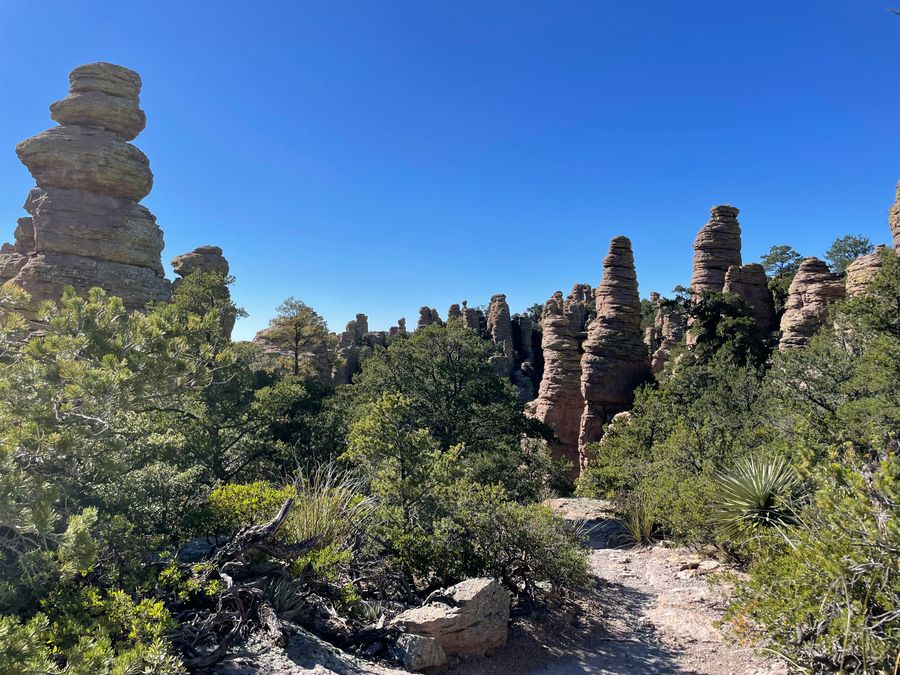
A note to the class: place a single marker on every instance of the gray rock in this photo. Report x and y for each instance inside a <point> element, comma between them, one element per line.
<point>417,652</point>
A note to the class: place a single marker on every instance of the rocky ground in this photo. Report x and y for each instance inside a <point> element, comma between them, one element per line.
<point>654,611</point>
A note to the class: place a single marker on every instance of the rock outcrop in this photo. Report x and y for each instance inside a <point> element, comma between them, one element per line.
<point>352,346</point>
<point>86,228</point>
<point>499,327</point>
<point>615,360</point>
<point>813,289</point>
<point>525,374</point>
<point>749,282</point>
<point>473,318</point>
<point>428,316</point>
<point>473,624</point>
<point>454,312</point>
<point>862,270</point>
<point>716,248</point>
<point>559,402</point>
<point>205,259</point>
<point>668,330</point>
<point>894,221</point>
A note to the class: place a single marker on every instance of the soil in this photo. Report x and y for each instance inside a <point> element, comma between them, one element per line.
<point>653,610</point>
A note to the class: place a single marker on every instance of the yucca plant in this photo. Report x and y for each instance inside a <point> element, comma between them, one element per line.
<point>640,528</point>
<point>755,495</point>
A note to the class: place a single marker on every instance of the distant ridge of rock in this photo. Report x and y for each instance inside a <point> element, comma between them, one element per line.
<point>85,227</point>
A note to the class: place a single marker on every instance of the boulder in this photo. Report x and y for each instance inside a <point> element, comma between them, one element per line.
<point>615,360</point>
<point>716,248</point>
<point>122,116</point>
<point>206,258</point>
<point>472,622</point>
<point>813,289</point>
<point>417,652</point>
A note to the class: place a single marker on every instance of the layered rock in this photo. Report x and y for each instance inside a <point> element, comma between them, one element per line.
<point>668,330</point>
<point>894,221</point>
<point>473,318</point>
<point>615,360</point>
<point>399,329</point>
<point>428,316</point>
<point>472,621</point>
<point>86,228</point>
<point>862,270</point>
<point>749,282</point>
<point>207,259</point>
<point>499,327</point>
<point>559,402</point>
<point>349,350</point>
<point>716,248</point>
<point>454,312</point>
<point>813,289</point>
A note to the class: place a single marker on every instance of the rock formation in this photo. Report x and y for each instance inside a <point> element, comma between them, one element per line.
<point>352,346</point>
<point>473,318</point>
<point>667,331</point>
<point>749,282</point>
<point>86,228</point>
<point>454,312</point>
<point>428,316</point>
<point>499,327</point>
<point>813,289</point>
<point>399,329</point>
<point>473,622</point>
<point>205,259</point>
<point>560,403</point>
<point>525,374</point>
<point>894,221</point>
<point>615,360</point>
<point>862,270</point>
<point>716,248</point>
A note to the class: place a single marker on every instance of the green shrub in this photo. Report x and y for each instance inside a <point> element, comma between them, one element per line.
<point>236,505</point>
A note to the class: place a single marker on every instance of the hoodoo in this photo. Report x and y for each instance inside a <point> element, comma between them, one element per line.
<point>716,248</point>
<point>86,227</point>
<point>615,360</point>
<point>813,289</point>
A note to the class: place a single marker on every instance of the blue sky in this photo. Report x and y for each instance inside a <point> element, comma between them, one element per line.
<point>380,155</point>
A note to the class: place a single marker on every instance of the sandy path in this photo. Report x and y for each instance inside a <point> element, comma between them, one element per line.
<point>653,611</point>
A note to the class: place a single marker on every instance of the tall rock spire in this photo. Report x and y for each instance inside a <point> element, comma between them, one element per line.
<point>716,248</point>
<point>86,228</point>
<point>615,360</point>
<point>894,220</point>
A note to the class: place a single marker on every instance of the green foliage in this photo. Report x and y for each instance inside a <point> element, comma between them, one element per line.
<point>298,330</point>
<point>844,250</point>
<point>781,264</point>
<point>237,505</point>
<point>753,495</point>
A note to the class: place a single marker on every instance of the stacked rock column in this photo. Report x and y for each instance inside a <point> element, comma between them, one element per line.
<point>86,227</point>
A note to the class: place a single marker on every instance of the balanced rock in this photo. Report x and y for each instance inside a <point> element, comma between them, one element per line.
<point>205,258</point>
<point>749,282</point>
<point>474,624</point>
<point>813,289</point>
<point>615,360</point>
<point>559,402</point>
<point>86,228</point>
<point>716,248</point>
<point>499,326</point>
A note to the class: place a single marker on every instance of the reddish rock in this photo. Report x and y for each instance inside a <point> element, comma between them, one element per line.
<point>749,282</point>
<point>813,289</point>
<point>716,248</point>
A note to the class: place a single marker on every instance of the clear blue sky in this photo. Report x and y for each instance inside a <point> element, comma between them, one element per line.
<point>380,155</point>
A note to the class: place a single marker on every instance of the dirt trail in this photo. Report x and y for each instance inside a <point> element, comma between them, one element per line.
<point>653,611</point>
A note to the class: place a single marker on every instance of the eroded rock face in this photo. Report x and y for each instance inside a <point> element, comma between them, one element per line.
<point>353,345</point>
<point>749,282</point>
<point>473,318</point>
<point>428,316</point>
<point>499,326</point>
<point>716,248</point>
<point>454,312</point>
<point>475,624</point>
<point>894,221</point>
<point>205,258</point>
<point>86,228</point>
<point>615,360</point>
<point>668,329</point>
<point>559,402</point>
<point>862,270</point>
<point>813,289</point>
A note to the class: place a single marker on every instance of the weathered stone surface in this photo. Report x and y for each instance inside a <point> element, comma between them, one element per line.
<point>813,289</point>
<point>417,652</point>
<point>473,318</point>
<point>399,329</point>
<point>894,220</point>
<point>121,116</point>
<point>615,360</point>
<point>560,402</point>
<point>428,316</point>
<point>749,282</point>
<point>107,78</point>
<point>454,312</point>
<point>668,330</point>
<point>45,275</point>
<point>349,350</point>
<point>499,326</point>
<point>523,374</point>
<point>205,258</point>
<point>86,228</point>
<point>87,157</point>
<point>475,624</point>
<point>93,225</point>
<point>716,248</point>
<point>862,270</point>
